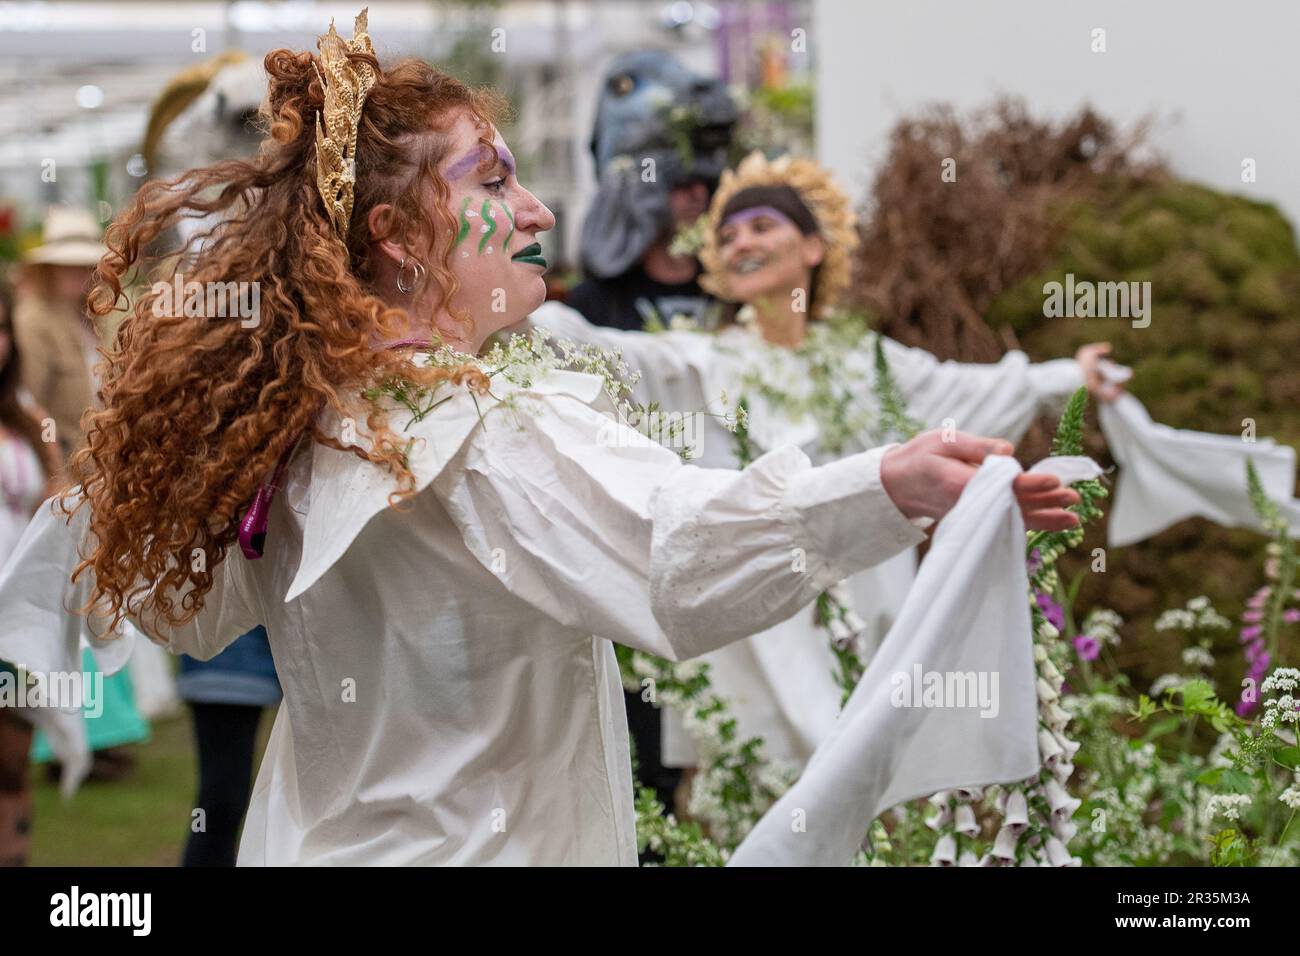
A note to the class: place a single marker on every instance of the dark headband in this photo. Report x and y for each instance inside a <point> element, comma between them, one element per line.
<point>784,199</point>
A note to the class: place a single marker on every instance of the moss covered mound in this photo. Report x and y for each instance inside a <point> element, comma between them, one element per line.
<point>1221,349</point>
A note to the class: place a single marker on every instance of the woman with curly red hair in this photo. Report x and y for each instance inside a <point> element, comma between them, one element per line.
<point>441,528</point>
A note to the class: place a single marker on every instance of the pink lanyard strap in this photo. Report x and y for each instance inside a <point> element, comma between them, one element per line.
<point>252,529</point>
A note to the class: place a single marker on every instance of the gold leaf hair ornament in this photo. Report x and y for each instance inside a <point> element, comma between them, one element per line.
<point>346,84</point>
<point>829,205</point>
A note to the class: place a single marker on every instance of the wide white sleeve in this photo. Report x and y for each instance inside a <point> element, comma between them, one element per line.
<point>38,601</point>
<point>607,532</point>
<point>672,365</point>
<point>1000,399</point>
<point>37,596</point>
<point>228,613</point>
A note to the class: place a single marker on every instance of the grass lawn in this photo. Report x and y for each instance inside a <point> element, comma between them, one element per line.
<point>140,821</point>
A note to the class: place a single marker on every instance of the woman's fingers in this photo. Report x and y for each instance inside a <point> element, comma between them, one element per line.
<point>927,475</point>
<point>1043,500</point>
<point>1033,483</point>
<point>1061,498</point>
<point>1053,519</point>
<point>973,448</point>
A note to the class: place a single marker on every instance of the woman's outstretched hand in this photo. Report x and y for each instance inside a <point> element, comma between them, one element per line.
<point>1092,359</point>
<point>926,476</point>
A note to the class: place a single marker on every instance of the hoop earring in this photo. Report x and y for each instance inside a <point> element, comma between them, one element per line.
<point>406,288</point>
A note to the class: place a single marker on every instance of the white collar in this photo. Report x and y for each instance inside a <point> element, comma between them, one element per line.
<point>345,491</point>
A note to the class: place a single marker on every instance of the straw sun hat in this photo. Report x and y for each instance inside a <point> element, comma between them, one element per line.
<point>71,237</point>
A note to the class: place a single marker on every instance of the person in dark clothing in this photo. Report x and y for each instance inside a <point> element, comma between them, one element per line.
<point>226,697</point>
<point>660,287</point>
<point>661,140</point>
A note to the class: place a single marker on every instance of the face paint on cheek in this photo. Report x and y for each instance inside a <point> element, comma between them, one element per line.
<point>505,245</point>
<point>463,232</point>
<point>489,225</point>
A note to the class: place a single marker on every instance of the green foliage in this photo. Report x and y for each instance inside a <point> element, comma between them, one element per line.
<point>1221,347</point>
<point>676,844</point>
<point>1050,545</point>
<point>894,420</point>
<point>744,448</point>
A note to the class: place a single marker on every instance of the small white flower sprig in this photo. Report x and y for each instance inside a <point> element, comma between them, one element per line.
<point>1242,788</point>
<point>736,781</point>
<point>689,239</point>
<point>827,377</point>
<point>1283,709</point>
<point>1121,780</point>
<point>674,842</point>
<point>523,360</point>
<point>1199,621</point>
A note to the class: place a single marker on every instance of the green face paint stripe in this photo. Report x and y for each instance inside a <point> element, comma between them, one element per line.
<point>505,246</point>
<point>463,232</point>
<point>491,224</point>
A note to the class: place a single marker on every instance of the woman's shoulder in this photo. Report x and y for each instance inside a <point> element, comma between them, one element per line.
<point>522,377</point>
<point>343,491</point>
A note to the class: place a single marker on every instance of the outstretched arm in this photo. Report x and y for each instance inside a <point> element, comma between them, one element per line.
<point>608,533</point>
<point>999,399</point>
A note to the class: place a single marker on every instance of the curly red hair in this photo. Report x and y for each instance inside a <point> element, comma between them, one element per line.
<point>196,411</point>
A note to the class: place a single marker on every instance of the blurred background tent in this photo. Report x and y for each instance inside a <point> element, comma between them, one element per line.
<point>79,80</point>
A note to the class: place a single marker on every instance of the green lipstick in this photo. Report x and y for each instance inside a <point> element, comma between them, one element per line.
<point>530,254</point>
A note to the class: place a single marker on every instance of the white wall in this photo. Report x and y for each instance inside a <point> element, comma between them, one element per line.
<point>1222,78</point>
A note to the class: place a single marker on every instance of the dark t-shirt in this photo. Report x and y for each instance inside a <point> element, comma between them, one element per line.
<point>634,300</point>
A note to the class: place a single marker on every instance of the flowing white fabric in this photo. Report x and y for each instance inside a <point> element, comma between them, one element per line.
<point>445,701</point>
<point>153,679</point>
<point>41,638</point>
<point>781,686</point>
<point>1169,474</point>
<point>967,614</point>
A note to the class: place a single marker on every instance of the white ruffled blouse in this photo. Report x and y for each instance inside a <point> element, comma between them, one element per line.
<point>445,701</point>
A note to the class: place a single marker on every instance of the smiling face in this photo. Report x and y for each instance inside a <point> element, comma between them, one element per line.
<point>764,254</point>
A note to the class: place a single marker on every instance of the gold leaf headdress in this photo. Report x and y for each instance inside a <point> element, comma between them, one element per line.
<point>346,84</point>
<point>828,204</point>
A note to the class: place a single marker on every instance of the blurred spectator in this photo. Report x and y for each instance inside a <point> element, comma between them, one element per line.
<point>28,467</point>
<point>58,341</point>
<point>660,141</point>
<point>54,331</point>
